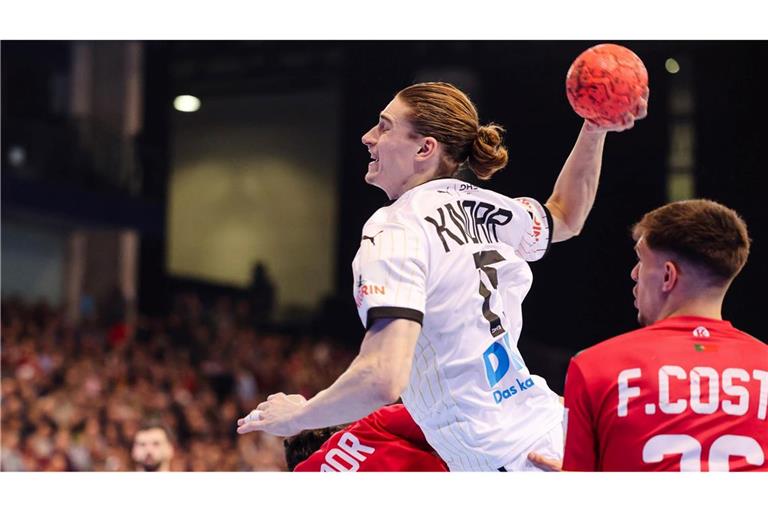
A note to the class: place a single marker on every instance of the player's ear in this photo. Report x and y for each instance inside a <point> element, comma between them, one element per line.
<point>671,275</point>
<point>427,149</point>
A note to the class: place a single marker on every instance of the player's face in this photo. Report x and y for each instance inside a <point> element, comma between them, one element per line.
<point>152,450</point>
<point>648,275</point>
<point>392,148</point>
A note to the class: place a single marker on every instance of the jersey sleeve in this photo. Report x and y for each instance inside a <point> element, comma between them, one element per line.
<point>530,231</point>
<point>580,436</point>
<point>390,273</point>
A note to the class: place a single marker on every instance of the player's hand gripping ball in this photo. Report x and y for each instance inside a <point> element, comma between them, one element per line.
<point>605,83</point>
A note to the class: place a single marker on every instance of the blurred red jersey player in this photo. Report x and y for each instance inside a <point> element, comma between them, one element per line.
<point>688,392</point>
<point>386,440</point>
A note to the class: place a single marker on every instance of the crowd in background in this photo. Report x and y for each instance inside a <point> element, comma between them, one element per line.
<point>73,396</point>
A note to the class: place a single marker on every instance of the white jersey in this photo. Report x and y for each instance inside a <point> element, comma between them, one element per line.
<point>452,256</point>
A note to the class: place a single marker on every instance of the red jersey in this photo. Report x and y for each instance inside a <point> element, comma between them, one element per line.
<point>386,440</point>
<point>684,394</point>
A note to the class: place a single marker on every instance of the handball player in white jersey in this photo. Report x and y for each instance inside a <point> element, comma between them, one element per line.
<point>439,280</point>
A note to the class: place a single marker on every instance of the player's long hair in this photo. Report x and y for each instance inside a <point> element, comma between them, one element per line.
<point>442,111</point>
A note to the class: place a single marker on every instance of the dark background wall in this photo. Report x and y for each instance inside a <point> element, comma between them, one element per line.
<point>241,193</point>
<point>582,290</point>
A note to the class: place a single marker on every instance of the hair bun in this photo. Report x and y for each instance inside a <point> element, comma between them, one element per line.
<point>488,154</point>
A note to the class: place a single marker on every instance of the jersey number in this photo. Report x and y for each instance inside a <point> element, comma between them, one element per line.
<point>483,262</point>
<point>722,448</point>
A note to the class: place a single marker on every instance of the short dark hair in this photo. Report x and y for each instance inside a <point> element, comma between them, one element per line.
<point>299,447</point>
<point>703,232</point>
<point>150,423</point>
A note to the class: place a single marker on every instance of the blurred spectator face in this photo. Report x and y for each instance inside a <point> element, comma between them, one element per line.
<point>152,450</point>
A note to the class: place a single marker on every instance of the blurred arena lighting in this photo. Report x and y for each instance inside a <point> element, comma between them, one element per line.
<point>17,156</point>
<point>186,103</point>
<point>672,65</point>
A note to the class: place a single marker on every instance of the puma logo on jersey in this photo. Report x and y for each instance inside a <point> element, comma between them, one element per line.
<point>371,238</point>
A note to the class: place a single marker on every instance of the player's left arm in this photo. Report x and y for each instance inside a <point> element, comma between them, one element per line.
<point>376,377</point>
<point>576,186</point>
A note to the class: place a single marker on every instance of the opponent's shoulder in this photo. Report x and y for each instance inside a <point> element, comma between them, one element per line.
<point>396,420</point>
<point>390,413</point>
<point>750,341</point>
<point>384,419</point>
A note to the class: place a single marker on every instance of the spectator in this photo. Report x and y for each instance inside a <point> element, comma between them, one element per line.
<point>152,447</point>
<point>73,401</point>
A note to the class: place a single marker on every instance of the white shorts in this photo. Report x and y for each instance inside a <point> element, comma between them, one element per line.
<point>549,445</point>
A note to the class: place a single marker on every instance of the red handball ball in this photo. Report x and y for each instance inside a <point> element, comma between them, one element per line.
<point>605,82</point>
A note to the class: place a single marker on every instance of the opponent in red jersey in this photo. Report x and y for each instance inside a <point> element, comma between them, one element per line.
<point>386,440</point>
<point>688,392</point>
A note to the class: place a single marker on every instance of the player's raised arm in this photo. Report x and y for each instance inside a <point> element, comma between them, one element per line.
<point>576,186</point>
<point>608,86</point>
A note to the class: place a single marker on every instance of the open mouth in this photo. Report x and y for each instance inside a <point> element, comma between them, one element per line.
<point>373,164</point>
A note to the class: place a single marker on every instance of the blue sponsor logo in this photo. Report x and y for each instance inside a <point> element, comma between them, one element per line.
<point>494,373</point>
<point>519,386</point>
<point>498,358</point>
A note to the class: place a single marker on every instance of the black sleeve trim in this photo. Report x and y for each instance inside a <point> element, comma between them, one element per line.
<point>393,312</point>
<point>551,226</point>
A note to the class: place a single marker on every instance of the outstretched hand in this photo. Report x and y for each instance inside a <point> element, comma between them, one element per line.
<point>276,416</point>
<point>545,463</point>
<point>627,121</point>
